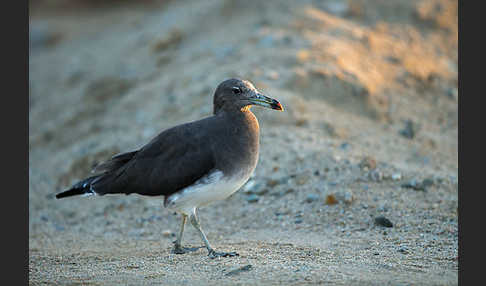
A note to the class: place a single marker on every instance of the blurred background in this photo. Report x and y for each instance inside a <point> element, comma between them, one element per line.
<point>370,91</point>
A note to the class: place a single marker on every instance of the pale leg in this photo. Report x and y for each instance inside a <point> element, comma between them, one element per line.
<point>213,254</point>
<point>178,249</point>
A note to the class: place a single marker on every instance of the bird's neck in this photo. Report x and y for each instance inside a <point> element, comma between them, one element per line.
<point>243,116</point>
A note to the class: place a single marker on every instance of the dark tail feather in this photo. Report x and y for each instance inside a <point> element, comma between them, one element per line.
<point>80,188</point>
<point>69,193</point>
<point>115,162</point>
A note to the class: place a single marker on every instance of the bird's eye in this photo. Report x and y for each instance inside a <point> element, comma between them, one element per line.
<point>236,90</point>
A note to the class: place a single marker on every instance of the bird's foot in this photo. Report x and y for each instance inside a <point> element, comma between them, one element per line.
<point>182,250</point>
<point>213,254</point>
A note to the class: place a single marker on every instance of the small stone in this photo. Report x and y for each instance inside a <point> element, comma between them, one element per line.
<point>331,200</point>
<point>255,187</point>
<point>403,250</point>
<point>302,179</point>
<point>167,233</point>
<point>249,185</point>
<point>311,198</point>
<point>396,177</point>
<point>272,183</point>
<point>252,198</point>
<point>415,185</point>
<point>375,176</point>
<point>348,198</point>
<point>383,221</point>
<point>410,130</point>
<point>298,221</point>
<point>344,196</point>
<point>368,163</point>
<point>239,270</point>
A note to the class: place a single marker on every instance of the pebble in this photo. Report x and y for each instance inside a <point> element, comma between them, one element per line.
<point>368,163</point>
<point>383,221</point>
<point>249,185</point>
<point>409,130</point>
<point>311,198</point>
<point>331,200</point>
<point>403,249</point>
<point>167,233</point>
<point>283,193</point>
<point>396,177</point>
<point>418,186</point>
<point>375,176</point>
<point>302,179</point>
<point>252,198</point>
<point>345,196</point>
<point>239,270</point>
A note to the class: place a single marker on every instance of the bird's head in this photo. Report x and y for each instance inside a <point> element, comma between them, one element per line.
<point>237,94</point>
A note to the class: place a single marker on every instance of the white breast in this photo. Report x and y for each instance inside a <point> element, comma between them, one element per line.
<point>206,190</point>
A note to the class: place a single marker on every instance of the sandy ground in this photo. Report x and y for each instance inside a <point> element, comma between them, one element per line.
<point>370,130</point>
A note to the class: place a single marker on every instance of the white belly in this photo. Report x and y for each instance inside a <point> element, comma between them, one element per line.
<point>213,187</point>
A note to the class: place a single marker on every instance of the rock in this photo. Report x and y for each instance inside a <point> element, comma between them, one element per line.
<point>418,186</point>
<point>249,186</point>
<point>368,163</point>
<point>302,179</point>
<point>383,221</point>
<point>396,177</point>
<point>298,221</point>
<point>375,176</point>
<point>331,200</point>
<point>403,249</point>
<point>348,198</point>
<point>311,198</point>
<point>255,187</point>
<point>167,233</point>
<point>252,198</point>
<point>272,183</point>
<point>239,270</point>
<point>410,129</point>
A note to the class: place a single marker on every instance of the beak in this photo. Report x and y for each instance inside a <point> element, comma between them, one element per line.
<point>262,100</point>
